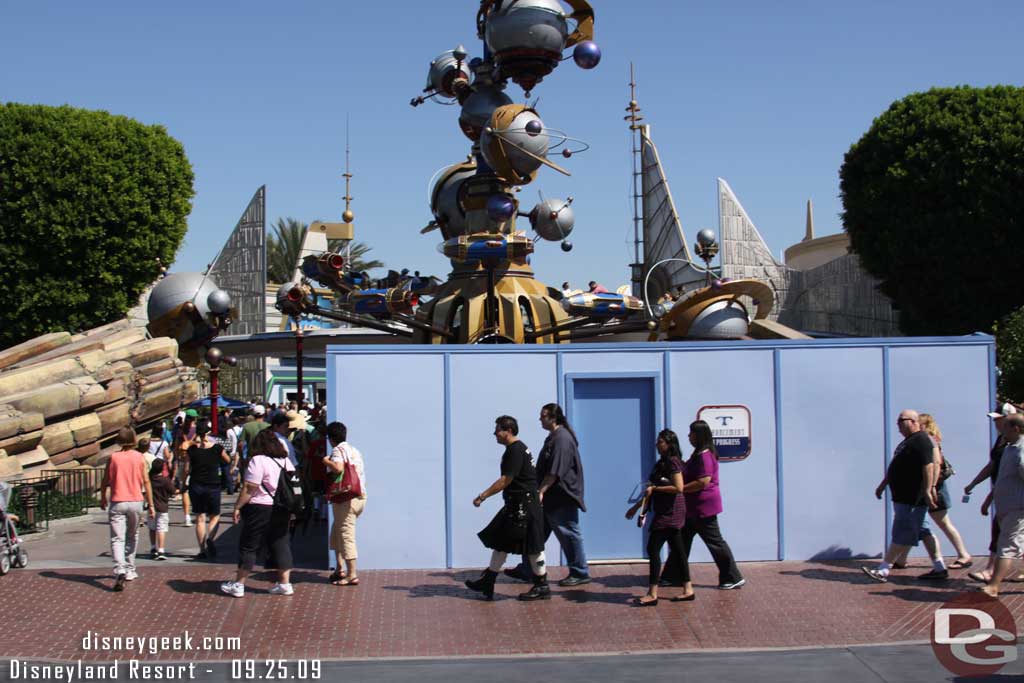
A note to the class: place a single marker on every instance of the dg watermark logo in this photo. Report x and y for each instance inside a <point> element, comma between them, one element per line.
<point>974,635</point>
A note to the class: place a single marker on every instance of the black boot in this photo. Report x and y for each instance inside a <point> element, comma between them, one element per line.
<point>485,584</point>
<point>540,590</point>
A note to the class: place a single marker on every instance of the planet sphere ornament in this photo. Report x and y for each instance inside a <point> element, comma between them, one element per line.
<point>507,146</point>
<point>478,108</point>
<point>566,246</point>
<point>553,219</point>
<point>500,207</point>
<point>587,55</point>
<point>527,38</point>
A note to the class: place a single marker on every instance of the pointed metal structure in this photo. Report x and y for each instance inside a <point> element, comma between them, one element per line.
<point>241,270</point>
<point>745,254</point>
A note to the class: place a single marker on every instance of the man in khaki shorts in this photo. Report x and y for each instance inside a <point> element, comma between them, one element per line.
<point>1008,496</point>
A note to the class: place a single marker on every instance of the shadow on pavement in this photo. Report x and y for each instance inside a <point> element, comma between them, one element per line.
<point>102,581</point>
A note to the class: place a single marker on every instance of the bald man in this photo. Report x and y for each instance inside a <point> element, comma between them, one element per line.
<point>910,479</point>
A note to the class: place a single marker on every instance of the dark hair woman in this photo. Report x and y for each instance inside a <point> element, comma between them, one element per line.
<point>263,525</point>
<point>667,505</point>
<point>202,470</point>
<point>703,505</point>
<point>519,525</point>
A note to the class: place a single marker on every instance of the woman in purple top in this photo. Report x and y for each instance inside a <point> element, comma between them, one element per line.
<point>703,505</point>
<point>667,507</point>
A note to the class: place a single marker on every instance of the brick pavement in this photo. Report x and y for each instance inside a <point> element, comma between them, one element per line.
<point>430,613</point>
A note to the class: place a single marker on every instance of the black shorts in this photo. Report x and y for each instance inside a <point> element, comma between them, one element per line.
<point>205,499</point>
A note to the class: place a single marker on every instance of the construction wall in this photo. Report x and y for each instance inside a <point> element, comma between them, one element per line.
<point>823,426</point>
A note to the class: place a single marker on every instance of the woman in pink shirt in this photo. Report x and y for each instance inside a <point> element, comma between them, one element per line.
<point>128,480</point>
<point>262,523</point>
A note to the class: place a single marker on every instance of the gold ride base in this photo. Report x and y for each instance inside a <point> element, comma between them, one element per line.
<point>520,306</point>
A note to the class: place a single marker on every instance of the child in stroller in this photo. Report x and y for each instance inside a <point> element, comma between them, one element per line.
<point>12,548</point>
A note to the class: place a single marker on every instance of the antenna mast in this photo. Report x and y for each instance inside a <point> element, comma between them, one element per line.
<point>347,216</point>
<point>634,118</point>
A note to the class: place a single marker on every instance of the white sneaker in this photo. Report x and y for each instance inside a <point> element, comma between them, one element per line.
<point>130,576</point>
<point>188,521</point>
<point>233,588</point>
<point>282,589</point>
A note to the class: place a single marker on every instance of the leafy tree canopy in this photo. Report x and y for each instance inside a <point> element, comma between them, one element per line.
<point>88,202</point>
<point>1009,334</point>
<point>933,206</point>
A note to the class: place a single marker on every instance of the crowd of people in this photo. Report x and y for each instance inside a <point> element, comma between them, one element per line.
<point>256,453</point>
<point>288,465</point>
<point>917,478</point>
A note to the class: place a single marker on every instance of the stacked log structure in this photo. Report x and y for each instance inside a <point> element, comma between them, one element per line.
<point>64,397</point>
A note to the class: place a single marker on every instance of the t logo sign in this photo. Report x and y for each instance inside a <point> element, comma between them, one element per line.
<point>974,635</point>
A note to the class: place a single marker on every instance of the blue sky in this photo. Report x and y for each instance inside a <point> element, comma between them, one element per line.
<point>768,96</point>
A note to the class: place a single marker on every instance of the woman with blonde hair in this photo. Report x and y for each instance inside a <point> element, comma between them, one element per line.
<point>942,498</point>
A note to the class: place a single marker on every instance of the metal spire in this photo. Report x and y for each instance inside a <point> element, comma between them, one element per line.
<point>634,118</point>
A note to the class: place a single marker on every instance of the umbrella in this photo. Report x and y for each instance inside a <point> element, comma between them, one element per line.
<point>222,402</point>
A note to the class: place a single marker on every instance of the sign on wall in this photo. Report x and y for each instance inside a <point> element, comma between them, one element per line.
<point>730,428</point>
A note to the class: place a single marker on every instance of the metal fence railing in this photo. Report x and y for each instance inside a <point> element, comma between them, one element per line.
<point>55,494</point>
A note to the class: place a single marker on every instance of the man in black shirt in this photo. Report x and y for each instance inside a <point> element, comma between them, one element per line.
<point>911,478</point>
<point>519,525</point>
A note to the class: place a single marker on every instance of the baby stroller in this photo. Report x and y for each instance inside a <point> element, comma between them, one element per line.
<point>12,548</point>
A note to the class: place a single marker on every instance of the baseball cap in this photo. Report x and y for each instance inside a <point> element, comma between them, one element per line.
<point>192,412</point>
<point>1006,409</point>
<point>259,410</point>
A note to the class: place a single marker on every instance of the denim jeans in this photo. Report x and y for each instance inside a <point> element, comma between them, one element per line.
<point>124,532</point>
<point>226,478</point>
<point>563,518</point>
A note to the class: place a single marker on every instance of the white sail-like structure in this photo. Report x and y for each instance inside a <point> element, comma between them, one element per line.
<point>744,252</point>
<point>663,236</point>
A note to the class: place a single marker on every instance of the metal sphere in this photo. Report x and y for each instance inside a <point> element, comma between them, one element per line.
<point>706,237</point>
<point>534,128</point>
<point>587,55</point>
<point>177,289</point>
<point>519,148</point>
<point>527,27</point>
<point>566,152</point>
<point>443,72</point>
<point>721,320</point>
<point>552,219</point>
<point>218,302</point>
<point>566,246</point>
<point>213,356</point>
<point>716,284</point>
<point>657,310</point>
<point>478,108</point>
<point>348,216</point>
<point>500,207</point>
<point>445,200</point>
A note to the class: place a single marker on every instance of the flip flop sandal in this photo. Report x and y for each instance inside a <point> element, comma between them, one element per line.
<point>977,576</point>
<point>335,577</point>
<point>960,565</point>
<point>349,582</point>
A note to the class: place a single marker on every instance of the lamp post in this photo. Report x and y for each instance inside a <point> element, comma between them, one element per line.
<point>214,357</point>
<point>298,362</point>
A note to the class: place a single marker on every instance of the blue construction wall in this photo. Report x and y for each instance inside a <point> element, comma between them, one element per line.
<point>823,428</point>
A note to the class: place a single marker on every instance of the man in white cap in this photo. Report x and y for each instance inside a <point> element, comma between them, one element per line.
<point>1008,494</point>
<point>991,471</point>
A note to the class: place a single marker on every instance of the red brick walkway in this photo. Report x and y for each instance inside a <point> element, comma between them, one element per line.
<point>430,613</point>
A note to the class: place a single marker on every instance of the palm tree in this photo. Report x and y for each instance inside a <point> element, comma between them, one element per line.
<point>283,249</point>
<point>356,255</point>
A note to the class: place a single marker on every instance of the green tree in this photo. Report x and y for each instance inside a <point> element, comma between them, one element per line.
<point>1009,334</point>
<point>283,247</point>
<point>88,202</point>
<point>934,209</point>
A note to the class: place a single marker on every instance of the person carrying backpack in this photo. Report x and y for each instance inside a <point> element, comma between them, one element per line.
<point>271,497</point>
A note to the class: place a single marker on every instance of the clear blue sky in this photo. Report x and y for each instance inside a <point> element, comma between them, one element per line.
<point>767,95</point>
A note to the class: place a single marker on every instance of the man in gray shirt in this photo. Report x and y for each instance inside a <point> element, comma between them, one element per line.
<point>1008,497</point>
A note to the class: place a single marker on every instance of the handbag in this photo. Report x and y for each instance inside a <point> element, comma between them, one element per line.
<point>345,486</point>
<point>946,471</point>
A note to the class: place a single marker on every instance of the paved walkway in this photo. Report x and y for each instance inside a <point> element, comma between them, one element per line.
<point>65,594</point>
